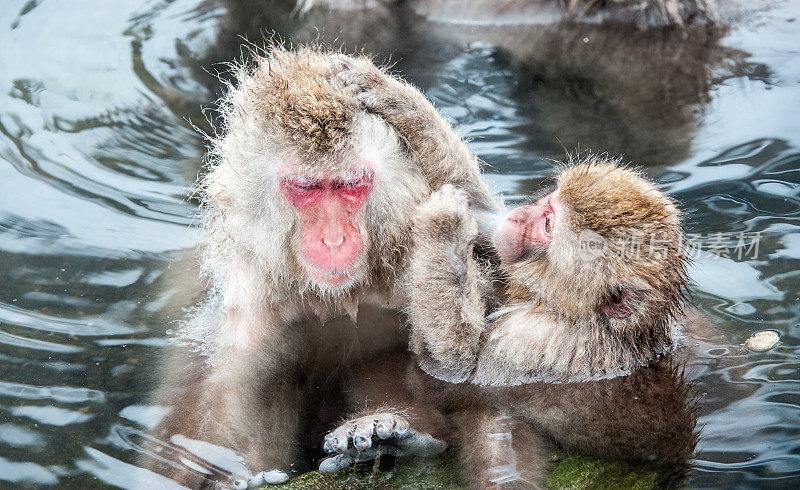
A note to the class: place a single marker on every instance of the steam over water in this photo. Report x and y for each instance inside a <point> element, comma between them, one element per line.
<point>97,155</point>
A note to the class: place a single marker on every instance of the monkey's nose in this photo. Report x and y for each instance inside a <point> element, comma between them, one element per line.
<point>333,240</point>
<point>518,216</point>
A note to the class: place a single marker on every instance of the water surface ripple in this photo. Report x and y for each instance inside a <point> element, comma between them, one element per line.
<point>97,155</point>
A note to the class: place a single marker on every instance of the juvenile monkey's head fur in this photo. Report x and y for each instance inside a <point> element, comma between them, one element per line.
<point>288,131</point>
<point>611,268</point>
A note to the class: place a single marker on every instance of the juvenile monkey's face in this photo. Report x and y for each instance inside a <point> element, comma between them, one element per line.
<point>526,231</point>
<point>331,240</point>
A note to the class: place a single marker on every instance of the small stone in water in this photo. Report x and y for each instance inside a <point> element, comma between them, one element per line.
<point>762,341</point>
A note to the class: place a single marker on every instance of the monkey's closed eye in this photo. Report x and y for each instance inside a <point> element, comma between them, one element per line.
<point>303,184</point>
<point>350,184</point>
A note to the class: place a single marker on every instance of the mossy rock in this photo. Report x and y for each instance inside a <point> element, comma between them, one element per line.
<point>388,473</point>
<point>579,471</point>
<point>568,472</point>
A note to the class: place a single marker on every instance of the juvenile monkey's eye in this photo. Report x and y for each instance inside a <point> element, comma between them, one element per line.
<point>548,224</point>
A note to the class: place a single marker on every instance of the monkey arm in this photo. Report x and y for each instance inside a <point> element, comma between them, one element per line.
<point>447,288</point>
<point>439,151</point>
<point>237,403</point>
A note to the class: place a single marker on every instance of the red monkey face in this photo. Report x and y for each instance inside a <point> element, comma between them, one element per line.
<point>331,239</point>
<point>525,232</point>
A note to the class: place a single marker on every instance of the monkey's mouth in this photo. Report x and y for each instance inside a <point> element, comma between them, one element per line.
<point>333,264</point>
<point>515,245</point>
<point>332,278</point>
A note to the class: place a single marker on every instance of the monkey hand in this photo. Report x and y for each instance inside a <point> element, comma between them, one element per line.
<point>366,438</point>
<point>376,92</point>
<point>447,214</point>
<point>445,227</point>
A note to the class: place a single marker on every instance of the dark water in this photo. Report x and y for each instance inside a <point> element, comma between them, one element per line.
<point>97,154</point>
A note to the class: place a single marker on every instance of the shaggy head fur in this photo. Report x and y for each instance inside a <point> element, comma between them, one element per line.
<point>298,96</point>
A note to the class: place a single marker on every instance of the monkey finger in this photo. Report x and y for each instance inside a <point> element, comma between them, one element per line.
<point>362,436</point>
<point>452,194</point>
<point>340,62</point>
<point>361,431</point>
<point>335,463</point>
<point>328,442</point>
<point>334,444</point>
<point>366,87</point>
<point>420,444</point>
<point>401,426</point>
<point>351,78</point>
<point>350,85</point>
<point>384,425</point>
<point>449,201</point>
<point>337,440</point>
<point>369,101</point>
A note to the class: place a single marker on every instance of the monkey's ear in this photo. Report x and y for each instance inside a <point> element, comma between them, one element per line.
<point>620,302</point>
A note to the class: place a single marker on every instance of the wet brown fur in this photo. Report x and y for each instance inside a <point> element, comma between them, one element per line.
<point>648,417</point>
<point>506,436</point>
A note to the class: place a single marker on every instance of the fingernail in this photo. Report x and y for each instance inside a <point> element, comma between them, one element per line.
<point>360,442</point>
<point>383,431</point>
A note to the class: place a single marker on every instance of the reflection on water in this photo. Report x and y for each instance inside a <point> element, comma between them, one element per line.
<point>97,153</point>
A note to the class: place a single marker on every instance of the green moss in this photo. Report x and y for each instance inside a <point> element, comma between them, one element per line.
<point>578,471</point>
<point>388,473</point>
<point>568,472</point>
